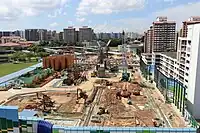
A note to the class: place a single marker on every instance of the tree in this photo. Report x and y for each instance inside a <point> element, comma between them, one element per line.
<point>42,54</point>
<point>44,43</point>
<point>19,56</point>
<point>35,48</point>
<point>29,56</point>
<point>115,42</point>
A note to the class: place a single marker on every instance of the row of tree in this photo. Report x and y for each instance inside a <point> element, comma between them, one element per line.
<point>114,43</point>
<point>52,43</point>
<point>21,56</point>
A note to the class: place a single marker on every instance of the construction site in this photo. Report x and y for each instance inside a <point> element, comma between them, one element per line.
<point>104,90</point>
<point>104,103</point>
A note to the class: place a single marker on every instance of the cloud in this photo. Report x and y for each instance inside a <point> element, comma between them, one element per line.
<point>70,22</point>
<point>13,9</point>
<point>57,12</point>
<point>55,24</point>
<point>178,13</point>
<point>80,19</point>
<point>170,1</point>
<point>107,6</point>
<point>106,27</point>
<point>181,12</point>
<point>136,24</point>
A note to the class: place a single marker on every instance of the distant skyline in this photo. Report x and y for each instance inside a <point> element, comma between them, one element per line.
<point>101,15</point>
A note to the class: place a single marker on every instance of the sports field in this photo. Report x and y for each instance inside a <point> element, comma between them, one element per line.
<point>8,68</point>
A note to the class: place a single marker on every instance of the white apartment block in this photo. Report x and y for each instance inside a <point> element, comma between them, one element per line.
<point>192,69</point>
<point>165,62</point>
<point>184,65</point>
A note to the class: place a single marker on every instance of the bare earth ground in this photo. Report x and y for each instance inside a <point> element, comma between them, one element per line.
<point>177,120</point>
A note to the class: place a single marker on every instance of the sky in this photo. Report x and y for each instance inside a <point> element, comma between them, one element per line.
<point>102,15</point>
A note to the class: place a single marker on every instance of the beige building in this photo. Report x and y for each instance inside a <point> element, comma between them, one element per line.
<point>85,34</point>
<point>164,35</point>
<point>191,20</point>
<point>70,35</point>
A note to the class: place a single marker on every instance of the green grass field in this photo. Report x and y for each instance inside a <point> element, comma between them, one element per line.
<point>8,68</point>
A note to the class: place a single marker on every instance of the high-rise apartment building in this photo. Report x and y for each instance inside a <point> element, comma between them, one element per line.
<point>31,35</point>
<point>85,34</point>
<point>148,40</point>
<point>42,34</point>
<point>182,67</point>
<point>164,35</point>
<point>108,35</point>
<point>188,58</point>
<point>52,36</point>
<point>191,20</point>
<point>70,35</point>
<point>132,35</point>
<point>36,34</point>
<point>19,33</point>
<point>61,38</point>
<point>145,42</point>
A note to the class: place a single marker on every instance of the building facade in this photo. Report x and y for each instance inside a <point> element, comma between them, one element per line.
<point>189,57</point>
<point>85,34</point>
<point>70,35</point>
<point>61,37</point>
<point>191,20</point>
<point>36,34</point>
<point>31,35</point>
<point>164,35</point>
<point>149,43</point>
<point>42,34</point>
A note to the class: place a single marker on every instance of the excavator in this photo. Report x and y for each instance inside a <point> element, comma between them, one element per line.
<point>102,111</point>
<point>81,94</point>
<point>124,93</point>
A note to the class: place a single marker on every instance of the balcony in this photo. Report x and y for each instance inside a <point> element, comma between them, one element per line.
<point>183,49</point>
<point>172,67</point>
<point>181,67</point>
<point>181,73</point>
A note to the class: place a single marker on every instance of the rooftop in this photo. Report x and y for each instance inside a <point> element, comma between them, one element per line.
<point>11,44</point>
<point>164,22</point>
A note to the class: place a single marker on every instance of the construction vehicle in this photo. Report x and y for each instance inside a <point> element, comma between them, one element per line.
<point>94,74</point>
<point>96,119</point>
<point>68,81</point>
<point>125,76</point>
<point>47,103</point>
<point>136,92</point>
<point>129,102</point>
<point>124,93</point>
<point>81,94</point>
<point>102,111</point>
